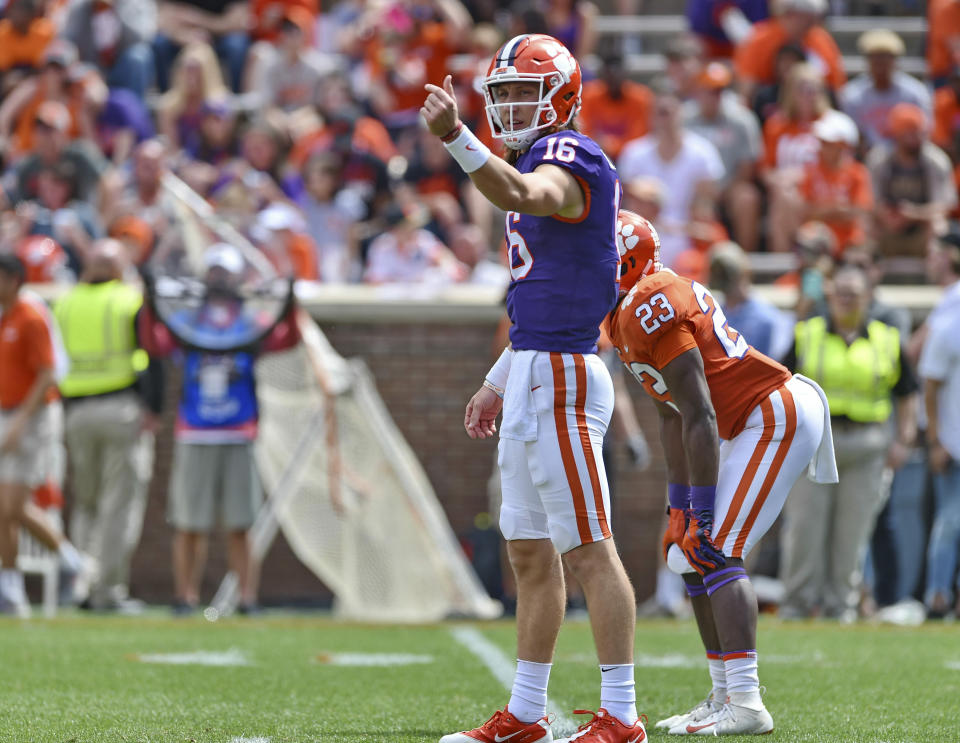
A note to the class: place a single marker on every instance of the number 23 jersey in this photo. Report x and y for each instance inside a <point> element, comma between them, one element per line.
<point>665,315</point>
<point>565,272</point>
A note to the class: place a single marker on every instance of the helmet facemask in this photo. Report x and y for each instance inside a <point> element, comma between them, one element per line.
<point>544,116</point>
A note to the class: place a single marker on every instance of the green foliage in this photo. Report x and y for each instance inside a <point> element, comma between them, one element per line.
<point>77,679</point>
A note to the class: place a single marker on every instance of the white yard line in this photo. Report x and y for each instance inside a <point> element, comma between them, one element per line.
<point>373,659</point>
<point>502,668</point>
<point>250,740</point>
<point>232,657</point>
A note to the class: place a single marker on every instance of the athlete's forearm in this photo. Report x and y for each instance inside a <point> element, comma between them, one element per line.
<point>511,190</point>
<point>701,443</point>
<point>671,438</point>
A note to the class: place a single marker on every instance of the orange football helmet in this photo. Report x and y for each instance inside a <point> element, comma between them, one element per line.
<point>539,59</point>
<point>43,258</point>
<point>639,246</point>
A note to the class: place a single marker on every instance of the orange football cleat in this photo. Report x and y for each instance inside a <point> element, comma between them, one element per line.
<point>503,727</point>
<point>605,728</point>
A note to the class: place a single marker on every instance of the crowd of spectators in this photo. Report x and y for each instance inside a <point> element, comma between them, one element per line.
<point>300,126</point>
<point>263,105</point>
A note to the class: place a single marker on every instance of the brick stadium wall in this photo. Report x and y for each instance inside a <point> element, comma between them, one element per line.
<point>426,372</point>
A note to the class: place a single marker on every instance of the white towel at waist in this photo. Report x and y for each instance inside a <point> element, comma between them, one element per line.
<point>823,466</point>
<point>519,412</point>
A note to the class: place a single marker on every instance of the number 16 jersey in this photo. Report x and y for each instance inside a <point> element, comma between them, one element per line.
<point>565,272</point>
<point>665,315</point>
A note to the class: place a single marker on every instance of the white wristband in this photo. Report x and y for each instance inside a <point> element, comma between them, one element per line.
<point>497,376</point>
<point>498,391</point>
<point>469,152</point>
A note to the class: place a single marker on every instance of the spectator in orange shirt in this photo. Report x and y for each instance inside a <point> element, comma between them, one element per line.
<point>136,235</point>
<point>24,36</point>
<point>44,260</point>
<point>943,41</point>
<point>836,189</point>
<point>615,109</point>
<point>790,145</point>
<point>410,47</point>
<point>797,23</point>
<point>266,16</point>
<point>946,115</point>
<point>26,388</point>
<point>281,233</point>
<point>19,110</point>
<point>340,118</point>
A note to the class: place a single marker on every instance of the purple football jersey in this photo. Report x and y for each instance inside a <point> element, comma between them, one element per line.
<point>565,272</point>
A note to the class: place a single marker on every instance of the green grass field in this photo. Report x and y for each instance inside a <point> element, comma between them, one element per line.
<point>81,679</point>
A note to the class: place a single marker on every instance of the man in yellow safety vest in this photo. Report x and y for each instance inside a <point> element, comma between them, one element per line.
<point>111,395</point>
<point>859,364</point>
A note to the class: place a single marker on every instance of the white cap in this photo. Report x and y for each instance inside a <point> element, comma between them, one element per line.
<point>225,256</point>
<point>818,7</point>
<point>280,216</point>
<point>835,126</point>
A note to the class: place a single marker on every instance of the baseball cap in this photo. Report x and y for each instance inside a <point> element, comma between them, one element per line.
<point>815,237</point>
<point>60,52</point>
<point>715,76</point>
<point>280,216</point>
<point>905,118</point>
<point>225,256</point>
<point>299,17</point>
<point>803,6</point>
<point>728,258</point>
<point>683,46</point>
<point>219,107</point>
<point>835,126</point>
<point>881,41</point>
<point>54,115</point>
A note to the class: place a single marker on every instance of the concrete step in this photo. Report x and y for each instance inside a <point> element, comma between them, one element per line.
<point>645,66</point>
<point>655,32</point>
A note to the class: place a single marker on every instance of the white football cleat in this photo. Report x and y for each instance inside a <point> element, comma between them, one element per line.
<point>731,719</point>
<point>703,710</point>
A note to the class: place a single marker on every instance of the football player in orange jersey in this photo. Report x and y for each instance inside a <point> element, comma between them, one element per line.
<point>737,431</point>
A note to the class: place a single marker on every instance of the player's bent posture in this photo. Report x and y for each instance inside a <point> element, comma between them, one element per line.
<point>561,197</point>
<point>737,431</point>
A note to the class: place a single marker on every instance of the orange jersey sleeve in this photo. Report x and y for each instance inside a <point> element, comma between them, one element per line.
<point>819,42</point>
<point>666,315</point>
<point>753,58</point>
<point>944,24</point>
<point>946,117</point>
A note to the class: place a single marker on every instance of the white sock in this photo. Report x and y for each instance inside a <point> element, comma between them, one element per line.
<point>70,557</point>
<point>11,586</point>
<point>743,680</point>
<point>718,676</point>
<point>617,693</point>
<point>528,698</point>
